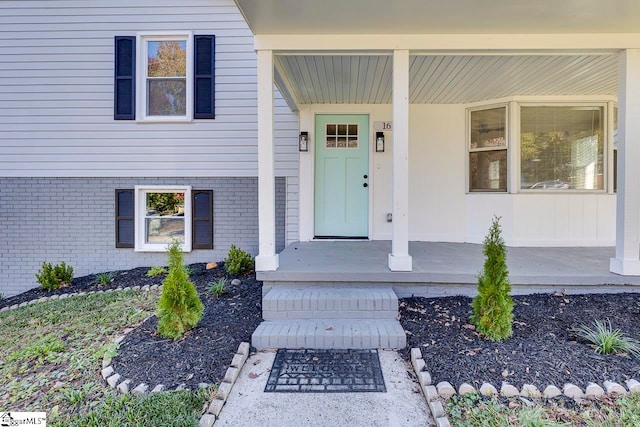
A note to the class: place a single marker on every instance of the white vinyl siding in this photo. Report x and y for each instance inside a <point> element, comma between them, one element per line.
<point>56,94</point>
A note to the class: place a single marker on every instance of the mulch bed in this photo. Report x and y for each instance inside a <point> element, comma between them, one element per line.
<point>204,353</point>
<point>542,351</point>
<point>134,277</point>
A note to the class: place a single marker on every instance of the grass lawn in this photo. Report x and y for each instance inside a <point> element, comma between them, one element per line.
<point>472,410</point>
<point>50,360</point>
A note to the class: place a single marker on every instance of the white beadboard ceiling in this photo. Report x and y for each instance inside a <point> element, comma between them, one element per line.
<point>328,79</point>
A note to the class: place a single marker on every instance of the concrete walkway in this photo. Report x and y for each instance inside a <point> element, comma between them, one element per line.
<point>248,405</point>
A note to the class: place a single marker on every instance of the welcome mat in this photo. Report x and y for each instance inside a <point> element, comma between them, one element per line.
<point>326,371</point>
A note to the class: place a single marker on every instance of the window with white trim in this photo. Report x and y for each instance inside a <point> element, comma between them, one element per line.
<point>562,147</point>
<point>153,79</point>
<point>165,88</point>
<point>488,149</point>
<point>162,215</point>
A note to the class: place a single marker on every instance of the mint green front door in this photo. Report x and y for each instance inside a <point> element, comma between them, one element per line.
<point>341,176</point>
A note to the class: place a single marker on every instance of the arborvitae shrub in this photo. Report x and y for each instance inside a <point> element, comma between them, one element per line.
<point>179,307</point>
<point>238,261</point>
<point>54,276</point>
<point>493,306</point>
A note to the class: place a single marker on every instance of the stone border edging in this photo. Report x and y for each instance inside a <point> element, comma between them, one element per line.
<point>429,391</point>
<point>445,390</point>
<point>230,377</point>
<point>74,294</point>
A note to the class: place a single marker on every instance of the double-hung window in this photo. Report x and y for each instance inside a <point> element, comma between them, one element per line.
<point>166,89</point>
<point>164,77</point>
<point>488,149</point>
<point>162,215</point>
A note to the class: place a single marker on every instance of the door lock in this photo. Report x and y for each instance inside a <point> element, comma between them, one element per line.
<point>365,185</point>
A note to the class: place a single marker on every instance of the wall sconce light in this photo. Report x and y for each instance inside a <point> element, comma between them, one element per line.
<point>379,142</point>
<point>303,143</point>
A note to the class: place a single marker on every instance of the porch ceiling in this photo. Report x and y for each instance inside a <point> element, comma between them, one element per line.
<point>450,79</point>
<point>440,17</point>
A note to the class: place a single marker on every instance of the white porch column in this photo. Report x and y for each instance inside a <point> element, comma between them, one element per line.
<point>399,258</point>
<point>627,260</point>
<point>267,259</point>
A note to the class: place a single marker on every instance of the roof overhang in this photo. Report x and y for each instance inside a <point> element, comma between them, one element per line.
<point>462,51</point>
<point>440,17</point>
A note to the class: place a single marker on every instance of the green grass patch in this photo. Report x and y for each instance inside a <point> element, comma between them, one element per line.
<point>50,352</point>
<point>171,409</point>
<point>473,410</point>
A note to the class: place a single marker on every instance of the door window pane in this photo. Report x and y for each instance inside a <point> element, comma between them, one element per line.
<point>341,136</point>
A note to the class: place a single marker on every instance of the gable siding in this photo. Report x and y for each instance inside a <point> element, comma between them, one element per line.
<point>56,94</point>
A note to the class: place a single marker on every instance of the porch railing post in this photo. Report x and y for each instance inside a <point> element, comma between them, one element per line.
<point>399,258</point>
<point>627,260</point>
<point>267,259</point>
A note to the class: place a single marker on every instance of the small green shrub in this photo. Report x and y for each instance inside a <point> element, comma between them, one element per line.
<point>238,262</point>
<point>606,340</point>
<point>179,307</point>
<point>217,288</point>
<point>156,270</point>
<point>493,306</point>
<point>54,276</point>
<point>104,278</point>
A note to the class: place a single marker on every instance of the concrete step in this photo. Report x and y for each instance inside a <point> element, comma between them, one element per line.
<point>315,302</point>
<point>329,333</point>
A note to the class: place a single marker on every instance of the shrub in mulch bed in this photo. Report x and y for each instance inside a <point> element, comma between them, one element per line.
<point>543,350</point>
<point>124,278</point>
<point>203,353</point>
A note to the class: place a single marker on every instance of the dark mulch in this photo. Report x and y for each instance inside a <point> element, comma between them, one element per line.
<point>136,276</point>
<point>543,350</point>
<point>204,353</point>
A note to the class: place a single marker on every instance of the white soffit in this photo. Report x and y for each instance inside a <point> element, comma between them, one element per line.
<point>441,16</point>
<point>327,79</point>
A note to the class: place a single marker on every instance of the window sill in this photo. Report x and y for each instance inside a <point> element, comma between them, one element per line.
<point>164,120</point>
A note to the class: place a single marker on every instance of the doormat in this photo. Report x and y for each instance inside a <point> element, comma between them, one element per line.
<point>326,371</point>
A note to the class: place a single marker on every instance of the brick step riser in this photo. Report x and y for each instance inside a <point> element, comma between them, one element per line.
<point>329,333</point>
<point>329,314</point>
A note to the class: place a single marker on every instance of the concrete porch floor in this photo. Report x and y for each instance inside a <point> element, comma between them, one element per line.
<point>447,268</point>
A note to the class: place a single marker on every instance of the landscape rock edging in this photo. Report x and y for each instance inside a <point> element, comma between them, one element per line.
<point>73,294</point>
<point>444,390</point>
<point>230,377</point>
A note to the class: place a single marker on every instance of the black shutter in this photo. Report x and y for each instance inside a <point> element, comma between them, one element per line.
<point>204,78</point>
<point>124,219</point>
<point>202,219</point>
<point>124,95</point>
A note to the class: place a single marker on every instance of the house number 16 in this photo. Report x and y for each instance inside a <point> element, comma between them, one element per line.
<point>382,126</point>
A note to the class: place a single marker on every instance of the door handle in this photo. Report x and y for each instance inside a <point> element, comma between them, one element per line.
<point>366,176</point>
<point>365,185</point>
